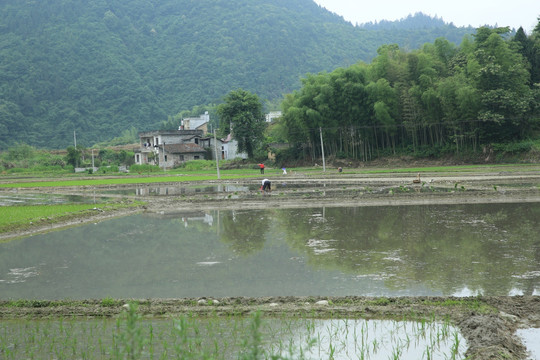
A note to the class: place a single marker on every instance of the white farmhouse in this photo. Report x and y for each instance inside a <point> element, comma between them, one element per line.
<point>170,148</point>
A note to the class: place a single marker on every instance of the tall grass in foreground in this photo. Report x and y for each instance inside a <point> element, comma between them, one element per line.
<point>232,337</point>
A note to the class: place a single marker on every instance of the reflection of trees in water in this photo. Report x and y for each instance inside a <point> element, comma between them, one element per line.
<point>525,237</point>
<point>244,231</point>
<point>444,247</point>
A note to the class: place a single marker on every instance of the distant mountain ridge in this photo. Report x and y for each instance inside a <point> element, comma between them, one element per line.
<point>417,21</point>
<point>101,67</point>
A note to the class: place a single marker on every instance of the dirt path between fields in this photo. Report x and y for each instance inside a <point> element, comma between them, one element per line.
<point>489,330</point>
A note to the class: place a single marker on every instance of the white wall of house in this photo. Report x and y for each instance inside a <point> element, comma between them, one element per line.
<point>150,143</point>
<point>272,115</point>
<point>153,142</point>
<point>230,151</point>
<point>192,123</point>
<point>143,157</point>
<point>227,149</point>
<point>172,160</point>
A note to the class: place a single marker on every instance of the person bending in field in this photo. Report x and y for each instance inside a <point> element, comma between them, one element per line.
<point>266,185</point>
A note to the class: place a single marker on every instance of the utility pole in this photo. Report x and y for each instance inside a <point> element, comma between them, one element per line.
<point>164,165</point>
<point>322,149</point>
<point>217,156</point>
<point>75,142</point>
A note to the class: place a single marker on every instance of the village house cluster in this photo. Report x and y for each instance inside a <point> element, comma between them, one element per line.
<point>170,148</point>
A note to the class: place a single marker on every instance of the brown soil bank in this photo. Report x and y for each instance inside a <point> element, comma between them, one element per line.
<point>487,323</point>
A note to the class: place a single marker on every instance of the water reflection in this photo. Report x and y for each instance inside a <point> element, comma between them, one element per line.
<point>530,340</point>
<point>461,250</point>
<point>471,249</point>
<point>175,190</point>
<point>15,198</point>
<point>372,339</point>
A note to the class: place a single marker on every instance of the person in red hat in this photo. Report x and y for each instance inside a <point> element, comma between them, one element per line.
<point>261,165</point>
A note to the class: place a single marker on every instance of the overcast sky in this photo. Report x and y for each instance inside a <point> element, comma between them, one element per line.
<point>513,13</point>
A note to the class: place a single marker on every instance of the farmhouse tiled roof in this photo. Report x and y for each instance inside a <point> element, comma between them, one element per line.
<point>184,148</point>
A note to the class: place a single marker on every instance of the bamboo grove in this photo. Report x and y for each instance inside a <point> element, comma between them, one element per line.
<point>441,98</point>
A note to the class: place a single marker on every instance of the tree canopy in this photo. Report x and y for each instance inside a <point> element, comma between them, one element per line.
<point>241,114</point>
<point>101,67</point>
<point>439,98</point>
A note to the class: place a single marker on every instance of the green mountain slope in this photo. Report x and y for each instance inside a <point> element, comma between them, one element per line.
<point>103,66</point>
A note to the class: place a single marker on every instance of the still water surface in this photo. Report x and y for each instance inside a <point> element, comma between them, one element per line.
<point>530,340</point>
<point>15,198</point>
<point>462,250</point>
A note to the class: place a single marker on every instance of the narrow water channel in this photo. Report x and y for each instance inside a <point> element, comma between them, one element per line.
<point>490,249</point>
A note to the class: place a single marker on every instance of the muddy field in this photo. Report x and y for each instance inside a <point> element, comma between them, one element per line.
<point>488,323</point>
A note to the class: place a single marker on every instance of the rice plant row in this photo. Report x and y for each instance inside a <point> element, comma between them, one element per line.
<point>228,337</point>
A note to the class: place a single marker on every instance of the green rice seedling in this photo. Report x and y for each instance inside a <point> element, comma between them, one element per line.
<point>118,181</point>
<point>331,352</point>
<point>396,353</point>
<point>74,347</point>
<point>215,337</point>
<point>130,338</point>
<point>375,346</point>
<point>181,344</point>
<point>454,350</point>
<point>427,353</point>
<point>253,344</point>
<point>13,217</point>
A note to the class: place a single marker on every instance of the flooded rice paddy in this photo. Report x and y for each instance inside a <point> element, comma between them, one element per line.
<point>460,250</point>
<point>230,338</point>
<point>15,198</point>
<point>282,187</point>
<point>375,250</point>
<point>530,339</point>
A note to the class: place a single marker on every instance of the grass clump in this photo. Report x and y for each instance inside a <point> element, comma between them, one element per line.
<point>475,304</point>
<point>109,302</point>
<point>383,301</point>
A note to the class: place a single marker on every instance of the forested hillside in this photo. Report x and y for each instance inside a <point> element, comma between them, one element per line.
<point>480,97</point>
<point>102,67</point>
